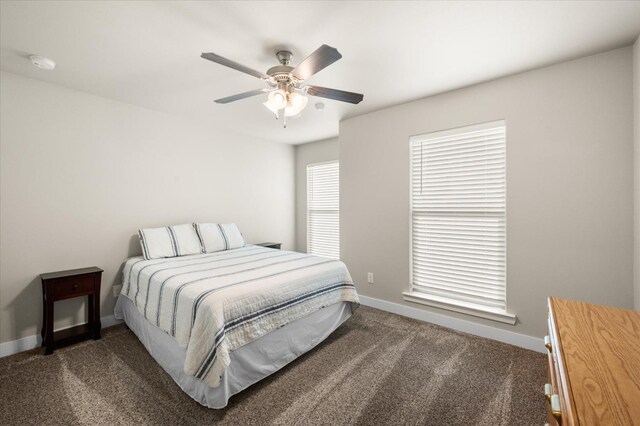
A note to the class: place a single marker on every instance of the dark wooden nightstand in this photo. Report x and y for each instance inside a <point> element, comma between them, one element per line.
<point>66,285</point>
<point>270,245</point>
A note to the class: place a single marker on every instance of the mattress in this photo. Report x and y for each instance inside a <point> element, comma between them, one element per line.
<point>248,364</point>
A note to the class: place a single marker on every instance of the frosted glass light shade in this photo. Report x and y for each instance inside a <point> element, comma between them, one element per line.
<point>295,103</point>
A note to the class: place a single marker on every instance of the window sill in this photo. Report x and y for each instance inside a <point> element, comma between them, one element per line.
<point>458,306</point>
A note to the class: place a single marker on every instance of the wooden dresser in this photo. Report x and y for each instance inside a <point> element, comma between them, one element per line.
<point>593,364</point>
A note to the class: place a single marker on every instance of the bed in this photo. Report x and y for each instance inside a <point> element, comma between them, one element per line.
<point>219,322</point>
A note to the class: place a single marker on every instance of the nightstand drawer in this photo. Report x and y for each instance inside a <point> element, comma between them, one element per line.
<point>72,287</point>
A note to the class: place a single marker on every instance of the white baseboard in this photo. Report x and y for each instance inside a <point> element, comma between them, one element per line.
<point>31,342</point>
<point>505,336</point>
<point>15,346</point>
<point>109,321</point>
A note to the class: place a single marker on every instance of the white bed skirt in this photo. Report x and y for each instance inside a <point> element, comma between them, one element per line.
<point>249,363</point>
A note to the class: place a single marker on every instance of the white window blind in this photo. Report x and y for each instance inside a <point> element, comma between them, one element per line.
<point>323,204</point>
<point>458,229</point>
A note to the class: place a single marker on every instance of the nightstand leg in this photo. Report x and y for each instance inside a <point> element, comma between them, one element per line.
<point>48,334</point>
<point>94,315</point>
<point>44,318</point>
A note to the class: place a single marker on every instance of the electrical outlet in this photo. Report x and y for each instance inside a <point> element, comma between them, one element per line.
<point>116,290</point>
<point>370,277</point>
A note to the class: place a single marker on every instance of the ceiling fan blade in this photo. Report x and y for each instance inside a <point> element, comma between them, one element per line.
<point>335,94</point>
<point>239,96</point>
<point>231,64</point>
<point>318,60</point>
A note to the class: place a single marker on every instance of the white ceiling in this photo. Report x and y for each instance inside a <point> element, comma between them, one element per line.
<point>148,53</point>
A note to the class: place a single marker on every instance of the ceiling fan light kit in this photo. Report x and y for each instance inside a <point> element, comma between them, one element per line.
<point>286,95</point>
<point>291,103</point>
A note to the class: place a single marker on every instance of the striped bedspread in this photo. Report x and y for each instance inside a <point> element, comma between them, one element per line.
<point>217,302</point>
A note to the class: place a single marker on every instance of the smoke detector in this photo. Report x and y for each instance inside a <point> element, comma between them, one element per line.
<point>42,62</point>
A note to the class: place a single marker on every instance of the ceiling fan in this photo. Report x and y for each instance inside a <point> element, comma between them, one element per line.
<point>286,94</point>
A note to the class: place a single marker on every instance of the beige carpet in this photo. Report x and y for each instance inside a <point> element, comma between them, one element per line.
<point>378,368</point>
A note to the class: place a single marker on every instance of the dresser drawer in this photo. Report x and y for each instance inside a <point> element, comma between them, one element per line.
<point>72,287</point>
<point>553,376</point>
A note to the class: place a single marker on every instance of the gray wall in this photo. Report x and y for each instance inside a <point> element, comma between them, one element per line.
<point>309,153</point>
<point>569,185</point>
<point>80,174</point>
<point>636,179</point>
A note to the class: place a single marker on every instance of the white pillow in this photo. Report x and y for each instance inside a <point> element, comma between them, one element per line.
<point>219,236</point>
<point>235,239</point>
<point>170,241</point>
<point>211,237</point>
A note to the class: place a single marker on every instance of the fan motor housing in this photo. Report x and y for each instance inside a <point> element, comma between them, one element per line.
<point>281,74</point>
<point>279,70</point>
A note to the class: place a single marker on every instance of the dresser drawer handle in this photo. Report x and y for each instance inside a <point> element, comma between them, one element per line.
<point>555,408</point>
<point>548,391</point>
<point>75,286</point>
<point>547,342</point>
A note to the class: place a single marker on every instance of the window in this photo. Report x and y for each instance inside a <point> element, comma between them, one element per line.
<point>458,220</point>
<point>323,204</point>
